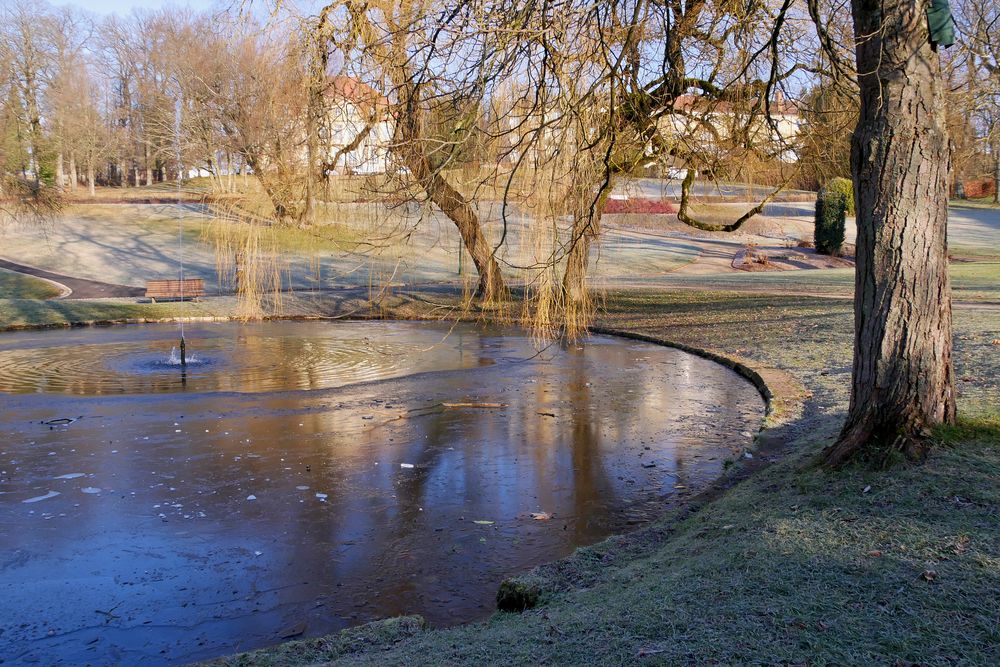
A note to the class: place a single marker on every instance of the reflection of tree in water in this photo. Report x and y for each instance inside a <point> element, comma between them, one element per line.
<point>592,491</point>
<point>505,462</point>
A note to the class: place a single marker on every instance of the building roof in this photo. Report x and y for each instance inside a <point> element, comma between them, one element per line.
<point>699,103</point>
<point>359,93</point>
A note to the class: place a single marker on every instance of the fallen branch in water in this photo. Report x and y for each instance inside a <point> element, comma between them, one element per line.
<point>474,405</point>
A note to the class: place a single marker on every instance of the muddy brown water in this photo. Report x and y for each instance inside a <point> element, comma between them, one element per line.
<point>302,477</point>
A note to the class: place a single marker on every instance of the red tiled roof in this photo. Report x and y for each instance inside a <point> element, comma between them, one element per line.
<point>690,103</point>
<point>356,91</point>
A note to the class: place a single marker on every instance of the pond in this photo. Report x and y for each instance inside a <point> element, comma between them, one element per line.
<point>300,477</point>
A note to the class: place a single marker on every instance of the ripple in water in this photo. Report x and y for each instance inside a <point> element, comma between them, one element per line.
<point>272,356</point>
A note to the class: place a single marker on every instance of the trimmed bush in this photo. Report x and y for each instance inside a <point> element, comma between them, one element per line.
<point>831,211</point>
<point>846,186</point>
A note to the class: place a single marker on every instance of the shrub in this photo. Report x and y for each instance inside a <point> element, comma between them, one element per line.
<point>846,186</point>
<point>831,211</point>
<point>647,206</point>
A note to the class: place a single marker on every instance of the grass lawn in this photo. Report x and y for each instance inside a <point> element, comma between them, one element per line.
<point>789,565</point>
<point>19,286</point>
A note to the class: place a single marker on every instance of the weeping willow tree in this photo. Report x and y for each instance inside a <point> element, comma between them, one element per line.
<point>624,85</point>
<point>540,112</point>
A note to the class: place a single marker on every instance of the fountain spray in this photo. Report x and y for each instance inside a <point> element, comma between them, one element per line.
<point>180,220</point>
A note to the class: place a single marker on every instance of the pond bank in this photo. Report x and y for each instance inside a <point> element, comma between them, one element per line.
<point>792,564</point>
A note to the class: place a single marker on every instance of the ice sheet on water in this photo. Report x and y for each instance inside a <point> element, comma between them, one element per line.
<point>50,494</point>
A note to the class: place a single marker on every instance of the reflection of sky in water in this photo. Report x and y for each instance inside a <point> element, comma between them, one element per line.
<point>267,356</point>
<point>174,541</point>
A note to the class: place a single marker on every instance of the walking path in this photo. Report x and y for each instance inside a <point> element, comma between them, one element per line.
<point>77,288</point>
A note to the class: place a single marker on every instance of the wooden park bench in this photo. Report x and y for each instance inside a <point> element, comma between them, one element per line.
<point>189,288</point>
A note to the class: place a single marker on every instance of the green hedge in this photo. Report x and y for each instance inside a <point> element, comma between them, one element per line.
<point>846,186</point>
<point>831,211</point>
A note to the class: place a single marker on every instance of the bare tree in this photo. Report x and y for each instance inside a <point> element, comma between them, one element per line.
<point>979,24</point>
<point>419,57</point>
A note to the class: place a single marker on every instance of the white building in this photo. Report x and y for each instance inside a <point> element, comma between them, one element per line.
<point>710,125</point>
<point>359,128</point>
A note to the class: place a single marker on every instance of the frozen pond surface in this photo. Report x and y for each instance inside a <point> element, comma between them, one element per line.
<point>150,518</point>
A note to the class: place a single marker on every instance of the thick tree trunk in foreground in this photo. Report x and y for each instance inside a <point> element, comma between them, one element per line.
<point>903,380</point>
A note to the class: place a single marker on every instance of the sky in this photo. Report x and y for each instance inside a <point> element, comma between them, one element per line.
<point>124,7</point>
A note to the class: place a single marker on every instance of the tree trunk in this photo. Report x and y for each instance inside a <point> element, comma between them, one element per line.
<point>459,211</point>
<point>492,288</point>
<point>586,228</point>
<point>60,173</point>
<point>903,379</point>
<point>90,178</point>
<point>149,164</point>
<point>996,173</point>
<point>74,178</point>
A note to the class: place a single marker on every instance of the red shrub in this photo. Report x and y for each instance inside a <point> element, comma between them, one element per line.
<point>647,206</point>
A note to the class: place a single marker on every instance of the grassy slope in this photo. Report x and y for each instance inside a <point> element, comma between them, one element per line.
<point>19,286</point>
<point>795,565</point>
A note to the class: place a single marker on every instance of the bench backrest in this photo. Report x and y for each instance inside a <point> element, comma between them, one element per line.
<point>189,287</point>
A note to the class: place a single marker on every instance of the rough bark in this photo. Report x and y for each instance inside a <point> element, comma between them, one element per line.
<point>60,173</point>
<point>902,382</point>
<point>74,178</point>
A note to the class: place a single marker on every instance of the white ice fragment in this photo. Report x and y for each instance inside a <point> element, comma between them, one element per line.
<point>405,465</point>
<point>251,497</point>
<point>258,553</point>
<point>50,494</point>
<point>90,489</point>
<point>71,475</point>
<point>302,488</point>
<point>321,496</point>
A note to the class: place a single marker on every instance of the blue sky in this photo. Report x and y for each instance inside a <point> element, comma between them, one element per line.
<point>124,7</point>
